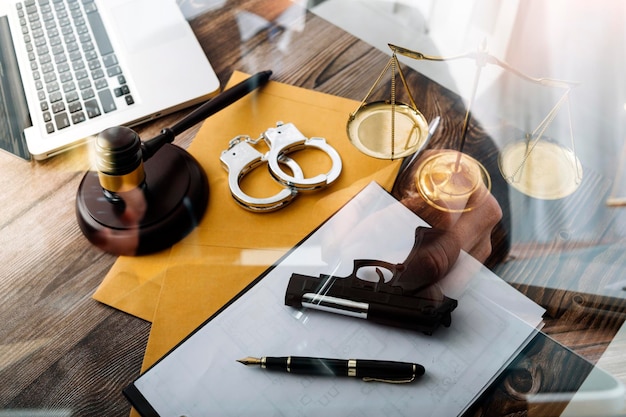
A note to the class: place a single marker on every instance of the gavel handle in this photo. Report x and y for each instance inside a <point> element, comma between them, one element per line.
<point>224,99</point>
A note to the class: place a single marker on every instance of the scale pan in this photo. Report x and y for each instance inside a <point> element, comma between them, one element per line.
<point>545,171</point>
<point>452,181</point>
<point>370,130</point>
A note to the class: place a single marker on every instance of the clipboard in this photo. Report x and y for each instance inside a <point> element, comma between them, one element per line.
<point>200,375</point>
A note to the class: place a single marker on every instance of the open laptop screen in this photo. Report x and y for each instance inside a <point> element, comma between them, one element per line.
<point>14,117</point>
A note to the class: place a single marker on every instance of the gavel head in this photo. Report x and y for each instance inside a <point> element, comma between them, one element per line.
<point>152,199</point>
<point>119,161</point>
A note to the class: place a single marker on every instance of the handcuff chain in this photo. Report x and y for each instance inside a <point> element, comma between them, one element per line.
<point>244,138</point>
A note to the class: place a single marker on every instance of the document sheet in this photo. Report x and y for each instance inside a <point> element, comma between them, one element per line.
<point>201,376</point>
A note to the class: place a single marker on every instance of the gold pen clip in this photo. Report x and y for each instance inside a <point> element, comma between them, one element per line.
<point>389,381</point>
<point>352,365</point>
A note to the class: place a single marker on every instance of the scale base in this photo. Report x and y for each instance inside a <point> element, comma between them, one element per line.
<point>173,202</point>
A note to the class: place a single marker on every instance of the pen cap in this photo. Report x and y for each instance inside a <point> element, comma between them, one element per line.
<point>388,370</point>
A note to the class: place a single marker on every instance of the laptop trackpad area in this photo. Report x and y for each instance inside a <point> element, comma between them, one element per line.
<point>145,24</point>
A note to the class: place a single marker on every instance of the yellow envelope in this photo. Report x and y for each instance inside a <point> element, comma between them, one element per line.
<point>200,281</point>
<point>133,284</point>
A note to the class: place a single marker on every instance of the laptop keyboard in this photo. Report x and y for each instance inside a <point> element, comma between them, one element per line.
<point>76,71</point>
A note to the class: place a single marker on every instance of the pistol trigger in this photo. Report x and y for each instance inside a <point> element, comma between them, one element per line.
<point>381,277</point>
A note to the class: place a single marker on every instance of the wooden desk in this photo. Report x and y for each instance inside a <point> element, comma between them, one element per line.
<point>63,351</point>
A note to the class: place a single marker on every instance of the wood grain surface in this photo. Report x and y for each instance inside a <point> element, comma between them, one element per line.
<point>60,350</point>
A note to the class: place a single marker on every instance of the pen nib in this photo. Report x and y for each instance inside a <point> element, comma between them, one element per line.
<point>250,361</point>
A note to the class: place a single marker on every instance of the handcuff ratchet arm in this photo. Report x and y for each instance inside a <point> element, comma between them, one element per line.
<point>241,158</point>
<point>286,138</point>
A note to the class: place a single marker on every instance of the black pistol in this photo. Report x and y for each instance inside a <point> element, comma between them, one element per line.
<point>396,301</point>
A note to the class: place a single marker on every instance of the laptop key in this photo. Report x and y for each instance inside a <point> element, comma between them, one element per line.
<point>58,107</point>
<point>69,86</point>
<point>66,77</point>
<point>55,40</point>
<point>87,93</point>
<point>90,54</point>
<point>78,117</point>
<point>94,64</point>
<point>75,106</point>
<point>61,120</point>
<point>106,98</point>
<point>71,96</point>
<point>46,68</point>
<point>109,60</point>
<point>113,71</point>
<point>101,83</point>
<point>99,31</point>
<point>88,46</point>
<point>49,77</point>
<point>72,47</point>
<point>84,83</point>
<point>75,55</point>
<point>73,5</point>
<point>92,108</point>
<point>52,87</point>
<point>64,67</point>
<point>89,6</point>
<point>81,29</point>
<point>81,74</point>
<point>84,37</point>
<point>56,96</point>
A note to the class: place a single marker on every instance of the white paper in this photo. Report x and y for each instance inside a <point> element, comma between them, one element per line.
<point>201,377</point>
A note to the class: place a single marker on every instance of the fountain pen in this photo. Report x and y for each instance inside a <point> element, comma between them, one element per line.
<point>368,370</point>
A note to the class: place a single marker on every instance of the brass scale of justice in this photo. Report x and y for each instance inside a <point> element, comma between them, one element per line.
<point>538,168</point>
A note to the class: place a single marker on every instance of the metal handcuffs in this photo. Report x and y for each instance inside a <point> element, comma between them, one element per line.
<point>241,157</point>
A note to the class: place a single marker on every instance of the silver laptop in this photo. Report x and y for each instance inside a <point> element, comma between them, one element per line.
<point>86,65</point>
